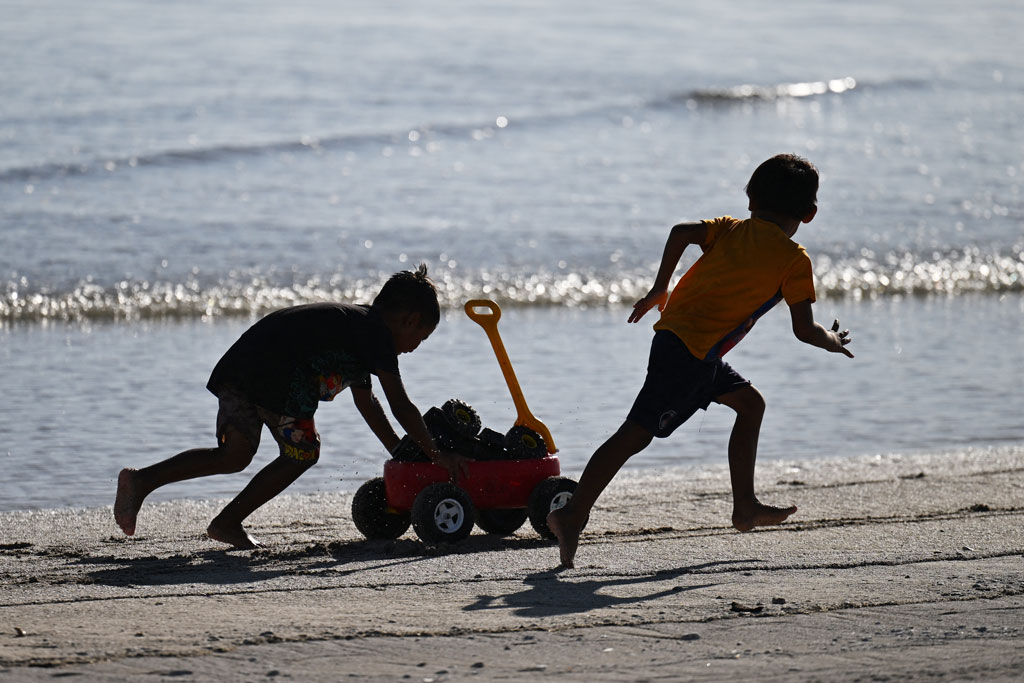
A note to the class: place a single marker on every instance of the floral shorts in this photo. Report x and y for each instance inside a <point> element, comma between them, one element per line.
<point>297,437</point>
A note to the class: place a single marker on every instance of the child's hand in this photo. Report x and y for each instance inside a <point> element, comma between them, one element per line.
<point>455,464</point>
<point>654,298</point>
<point>843,338</point>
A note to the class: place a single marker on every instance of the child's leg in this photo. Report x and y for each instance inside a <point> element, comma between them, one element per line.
<point>300,450</point>
<point>567,523</point>
<point>268,482</point>
<point>748,512</point>
<point>233,454</point>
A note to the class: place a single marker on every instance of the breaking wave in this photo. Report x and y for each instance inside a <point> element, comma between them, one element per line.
<point>216,153</point>
<point>835,86</point>
<point>865,276</point>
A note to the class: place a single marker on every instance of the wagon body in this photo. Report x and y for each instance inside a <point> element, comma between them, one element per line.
<point>495,484</point>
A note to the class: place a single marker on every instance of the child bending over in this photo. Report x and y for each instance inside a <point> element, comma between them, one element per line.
<point>276,374</point>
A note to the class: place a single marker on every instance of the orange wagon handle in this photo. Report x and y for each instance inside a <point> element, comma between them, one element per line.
<point>489,321</point>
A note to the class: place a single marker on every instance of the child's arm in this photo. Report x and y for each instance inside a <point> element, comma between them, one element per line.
<point>810,332</point>
<point>371,410</point>
<point>679,238</point>
<point>408,415</point>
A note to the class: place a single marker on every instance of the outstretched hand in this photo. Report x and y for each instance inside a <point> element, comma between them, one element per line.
<point>654,298</point>
<point>843,338</point>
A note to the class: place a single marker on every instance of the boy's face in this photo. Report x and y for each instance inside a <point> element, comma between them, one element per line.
<point>411,333</point>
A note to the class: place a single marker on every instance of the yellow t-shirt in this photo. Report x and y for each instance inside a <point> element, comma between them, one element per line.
<point>747,267</point>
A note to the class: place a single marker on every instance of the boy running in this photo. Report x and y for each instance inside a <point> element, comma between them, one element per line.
<point>746,268</point>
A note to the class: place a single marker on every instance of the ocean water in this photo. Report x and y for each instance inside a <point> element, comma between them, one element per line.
<point>170,172</point>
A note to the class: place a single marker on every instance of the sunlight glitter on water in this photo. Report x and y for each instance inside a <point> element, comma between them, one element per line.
<point>895,274</point>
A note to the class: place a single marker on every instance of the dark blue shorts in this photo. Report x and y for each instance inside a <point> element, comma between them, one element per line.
<point>678,384</point>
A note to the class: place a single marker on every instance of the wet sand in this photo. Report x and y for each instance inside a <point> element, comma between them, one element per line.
<point>894,568</point>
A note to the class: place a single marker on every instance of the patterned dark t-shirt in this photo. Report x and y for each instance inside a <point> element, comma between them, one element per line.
<point>296,357</point>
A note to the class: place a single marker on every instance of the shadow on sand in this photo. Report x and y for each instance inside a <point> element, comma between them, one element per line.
<point>550,593</point>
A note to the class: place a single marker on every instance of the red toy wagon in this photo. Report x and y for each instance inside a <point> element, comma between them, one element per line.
<point>513,476</point>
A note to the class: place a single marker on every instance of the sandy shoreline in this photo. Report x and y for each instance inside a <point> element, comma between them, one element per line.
<point>906,567</point>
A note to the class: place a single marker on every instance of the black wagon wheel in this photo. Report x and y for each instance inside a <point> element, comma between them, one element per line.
<point>501,522</point>
<point>461,416</point>
<point>443,513</point>
<point>524,443</point>
<point>547,496</point>
<point>371,513</point>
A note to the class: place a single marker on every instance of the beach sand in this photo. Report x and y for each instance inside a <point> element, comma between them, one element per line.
<point>894,568</point>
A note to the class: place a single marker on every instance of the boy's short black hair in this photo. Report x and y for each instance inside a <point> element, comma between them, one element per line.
<point>785,183</point>
<point>413,292</point>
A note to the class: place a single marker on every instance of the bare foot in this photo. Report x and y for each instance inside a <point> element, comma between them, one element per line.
<point>758,514</point>
<point>567,533</point>
<point>232,534</point>
<point>128,501</point>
